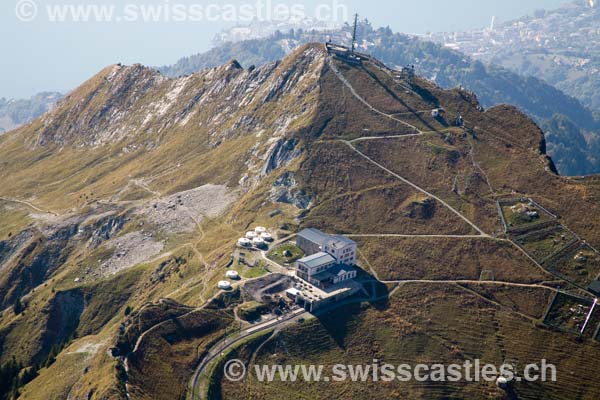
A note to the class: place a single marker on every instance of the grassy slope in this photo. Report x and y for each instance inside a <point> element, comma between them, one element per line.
<point>438,322</point>
<point>368,199</point>
<point>72,177</point>
<point>428,324</point>
<point>444,258</point>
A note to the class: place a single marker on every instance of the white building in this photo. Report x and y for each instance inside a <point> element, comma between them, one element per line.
<point>329,259</point>
<point>313,241</point>
<point>314,264</point>
<point>343,249</point>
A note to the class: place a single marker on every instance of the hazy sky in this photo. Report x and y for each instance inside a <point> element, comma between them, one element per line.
<point>37,54</point>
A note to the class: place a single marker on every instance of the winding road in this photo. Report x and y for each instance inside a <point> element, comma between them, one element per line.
<point>195,391</point>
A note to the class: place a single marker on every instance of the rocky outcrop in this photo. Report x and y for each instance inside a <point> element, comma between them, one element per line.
<point>35,263</point>
<point>281,153</point>
<point>63,313</point>
<point>102,229</point>
<point>8,248</point>
<point>285,190</point>
<point>34,255</point>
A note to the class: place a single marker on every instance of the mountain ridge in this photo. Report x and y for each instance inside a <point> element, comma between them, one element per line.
<point>127,228</point>
<point>449,69</point>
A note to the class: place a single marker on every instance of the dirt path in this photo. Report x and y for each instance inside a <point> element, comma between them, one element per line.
<point>417,133</point>
<point>365,138</point>
<point>471,281</point>
<point>420,189</point>
<point>141,184</point>
<point>395,235</point>
<point>355,94</point>
<point>28,204</point>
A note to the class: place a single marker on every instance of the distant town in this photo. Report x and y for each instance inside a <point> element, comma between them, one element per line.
<point>571,27</point>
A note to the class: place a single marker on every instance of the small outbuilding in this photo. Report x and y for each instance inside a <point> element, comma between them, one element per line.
<point>266,236</point>
<point>244,242</point>
<point>224,285</point>
<point>232,275</point>
<point>438,112</point>
<point>293,293</point>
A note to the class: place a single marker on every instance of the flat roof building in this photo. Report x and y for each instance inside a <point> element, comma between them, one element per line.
<point>333,276</point>
<point>313,241</point>
<point>329,258</point>
<point>312,298</point>
<point>314,264</point>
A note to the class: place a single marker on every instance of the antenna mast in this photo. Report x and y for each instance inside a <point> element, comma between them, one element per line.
<point>354,33</point>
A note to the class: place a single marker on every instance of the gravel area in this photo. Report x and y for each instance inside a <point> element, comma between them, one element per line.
<point>182,211</point>
<point>129,250</point>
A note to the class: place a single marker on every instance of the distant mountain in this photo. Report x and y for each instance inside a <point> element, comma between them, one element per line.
<point>574,151</point>
<point>14,113</point>
<point>250,52</point>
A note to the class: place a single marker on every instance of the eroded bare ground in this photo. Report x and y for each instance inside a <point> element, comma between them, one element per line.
<point>129,250</point>
<point>178,213</point>
<point>117,238</point>
<point>182,212</point>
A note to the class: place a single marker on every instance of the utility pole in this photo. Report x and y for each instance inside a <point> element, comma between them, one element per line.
<point>354,33</point>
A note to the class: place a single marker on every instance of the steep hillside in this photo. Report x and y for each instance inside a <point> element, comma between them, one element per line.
<point>574,151</point>
<point>124,204</point>
<point>432,314</point>
<point>127,171</point>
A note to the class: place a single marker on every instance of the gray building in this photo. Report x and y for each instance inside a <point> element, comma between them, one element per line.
<point>311,240</point>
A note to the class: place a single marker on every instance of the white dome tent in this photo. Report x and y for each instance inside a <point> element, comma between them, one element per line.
<point>232,275</point>
<point>244,242</point>
<point>266,236</point>
<point>224,285</point>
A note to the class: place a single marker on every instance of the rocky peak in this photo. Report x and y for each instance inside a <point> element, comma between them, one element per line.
<point>138,104</point>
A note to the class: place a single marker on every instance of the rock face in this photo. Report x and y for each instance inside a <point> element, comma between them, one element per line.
<point>37,253</point>
<point>103,229</point>
<point>9,247</point>
<point>572,129</point>
<point>126,102</point>
<point>63,312</point>
<point>285,190</point>
<point>280,154</point>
